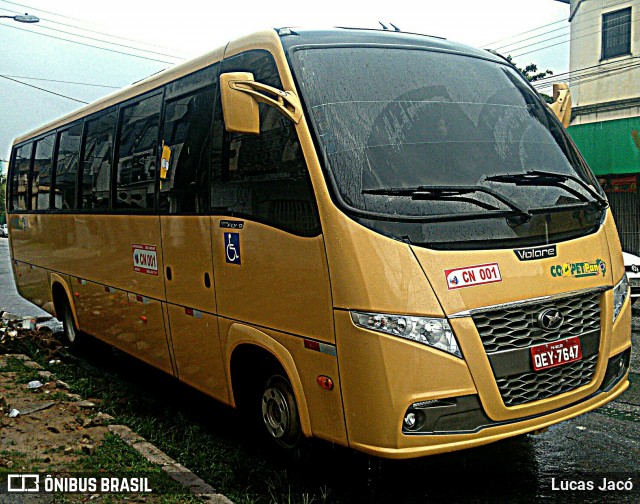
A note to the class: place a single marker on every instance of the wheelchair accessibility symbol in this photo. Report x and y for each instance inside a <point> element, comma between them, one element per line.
<point>232,247</point>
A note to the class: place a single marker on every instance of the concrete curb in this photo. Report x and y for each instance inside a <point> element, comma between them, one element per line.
<point>154,455</point>
<point>176,471</point>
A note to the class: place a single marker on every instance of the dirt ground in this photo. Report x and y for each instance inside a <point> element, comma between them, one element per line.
<point>44,428</point>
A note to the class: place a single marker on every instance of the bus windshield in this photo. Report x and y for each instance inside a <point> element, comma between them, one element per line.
<point>396,124</point>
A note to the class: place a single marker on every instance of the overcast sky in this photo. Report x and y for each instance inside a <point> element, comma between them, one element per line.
<point>172,32</point>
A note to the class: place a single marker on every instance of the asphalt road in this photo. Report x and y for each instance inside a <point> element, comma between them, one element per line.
<point>599,444</point>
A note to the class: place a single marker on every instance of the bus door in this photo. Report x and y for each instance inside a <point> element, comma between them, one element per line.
<point>186,239</point>
<point>271,271</point>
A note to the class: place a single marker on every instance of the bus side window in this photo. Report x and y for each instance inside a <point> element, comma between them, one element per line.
<point>20,178</point>
<point>96,163</point>
<point>137,154</point>
<point>265,176</point>
<point>41,173</point>
<point>188,133</point>
<point>66,169</point>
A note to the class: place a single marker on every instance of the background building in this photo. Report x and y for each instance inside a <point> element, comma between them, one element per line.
<point>605,89</point>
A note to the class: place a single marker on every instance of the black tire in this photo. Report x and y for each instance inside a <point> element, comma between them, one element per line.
<point>72,336</point>
<point>279,412</point>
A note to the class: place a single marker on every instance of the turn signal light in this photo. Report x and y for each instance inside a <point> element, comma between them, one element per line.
<point>325,382</point>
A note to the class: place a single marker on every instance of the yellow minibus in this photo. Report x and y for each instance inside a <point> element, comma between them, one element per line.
<point>379,239</point>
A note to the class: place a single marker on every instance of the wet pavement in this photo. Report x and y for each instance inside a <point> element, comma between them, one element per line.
<point>595,450</point>
<point>9,299</point>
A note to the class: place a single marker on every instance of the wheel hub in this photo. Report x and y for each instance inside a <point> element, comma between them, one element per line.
<point>275,412</point>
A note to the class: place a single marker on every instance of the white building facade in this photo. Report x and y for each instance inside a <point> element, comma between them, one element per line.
<point>605,89</point>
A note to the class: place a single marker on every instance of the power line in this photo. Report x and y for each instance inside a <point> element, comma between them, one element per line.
<point>531,38</point>
<point>112,43</point>
<point>41,10</point>
<point>573,32</point>
<point>6,25</point>
<point>101,40</point>
<point>564,42</point>
<point>522,33</point>
<point>64,81</point>
<point>43,89</point>
<point>575,73</point>
<point>592,76</point>
<point>95,31</point>
<point>516,42</point>
<point>605,73</point>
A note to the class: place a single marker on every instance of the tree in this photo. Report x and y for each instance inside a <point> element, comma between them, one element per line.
<point>532,74</point>
<point>3,190</point>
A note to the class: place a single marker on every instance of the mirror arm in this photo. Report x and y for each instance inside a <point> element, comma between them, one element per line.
<point>286,101</point>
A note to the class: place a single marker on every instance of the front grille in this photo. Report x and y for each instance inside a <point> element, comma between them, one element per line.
<point>508,333</point>
<point>515,327</point>
<point>534,386</point>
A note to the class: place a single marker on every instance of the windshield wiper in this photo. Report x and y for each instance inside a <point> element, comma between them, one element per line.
<point>444,192</point>
<point>544,178</point>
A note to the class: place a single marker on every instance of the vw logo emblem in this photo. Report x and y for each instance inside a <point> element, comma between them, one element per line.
<point>550,319</point>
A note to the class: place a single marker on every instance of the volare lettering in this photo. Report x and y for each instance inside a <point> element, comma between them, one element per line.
<point>532,254</point>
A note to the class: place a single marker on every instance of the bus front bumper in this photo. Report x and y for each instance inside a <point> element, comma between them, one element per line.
<point>419,445</point>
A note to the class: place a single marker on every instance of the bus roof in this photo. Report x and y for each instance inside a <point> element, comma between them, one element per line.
<point>293,37</point>
<point>289,37</point>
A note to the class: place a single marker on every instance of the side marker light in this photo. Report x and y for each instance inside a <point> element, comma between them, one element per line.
<point>325,382</point>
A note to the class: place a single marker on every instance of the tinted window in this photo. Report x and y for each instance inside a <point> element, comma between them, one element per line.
<point>193,82</point>
<point>264,177</point>
<point>137,154</point>
<point>66,169</point>
<point>616,33</point>
<point>96,165</point>
<point>20,177</point>
<point>187,132</point>
<point>41,175</point>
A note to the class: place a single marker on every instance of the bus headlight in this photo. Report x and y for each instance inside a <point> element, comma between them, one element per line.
<point>433,332</point>
<point>620,293</point>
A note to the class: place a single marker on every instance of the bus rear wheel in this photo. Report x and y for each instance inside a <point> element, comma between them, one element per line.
<point>72,336</point>
<point>279,412</point>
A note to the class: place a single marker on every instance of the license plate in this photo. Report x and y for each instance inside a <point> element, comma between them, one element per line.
<point>558,353</point>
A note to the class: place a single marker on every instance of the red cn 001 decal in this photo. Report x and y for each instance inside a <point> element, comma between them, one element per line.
<point>145,259</point>
<point>472,275</point>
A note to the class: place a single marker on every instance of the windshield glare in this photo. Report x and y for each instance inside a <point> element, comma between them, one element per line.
<point>406,117</point>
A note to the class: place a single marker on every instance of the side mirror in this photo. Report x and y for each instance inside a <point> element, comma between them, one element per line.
<point>240,96</point>
<point>561,105</point>
<point>240,110</point>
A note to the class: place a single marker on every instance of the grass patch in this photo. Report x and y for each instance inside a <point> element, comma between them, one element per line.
<point>194,430</point>
<point>114,457</point>
<point>23,373</point>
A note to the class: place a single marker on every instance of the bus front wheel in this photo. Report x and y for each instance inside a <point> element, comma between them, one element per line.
<point>279,412</point>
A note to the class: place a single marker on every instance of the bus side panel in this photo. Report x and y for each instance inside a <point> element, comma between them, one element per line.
<point>274,279</point>
<point>196,348</point>
<point>32,284</point>
<point>147,338</point>
<point>102,311</point>
<point>99,248</point>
